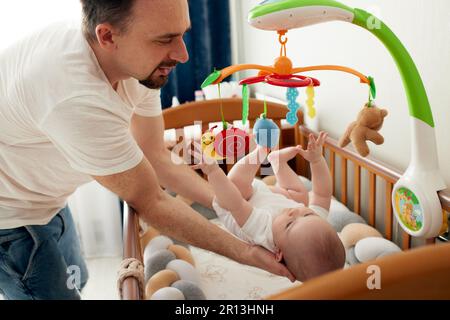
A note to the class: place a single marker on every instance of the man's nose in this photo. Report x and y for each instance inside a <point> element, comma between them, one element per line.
<point>179,52</point>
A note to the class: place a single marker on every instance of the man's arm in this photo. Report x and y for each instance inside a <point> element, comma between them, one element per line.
<point>140,189</point>
<point>149,134</point>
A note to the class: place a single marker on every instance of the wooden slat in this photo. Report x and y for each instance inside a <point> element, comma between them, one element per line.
<point>444,196</point>
<point>372,198</point>
<point>180,138</point>
<point>445,225</point>
<point>389,212</point>
<point>357,191</point>
<point>300,163</point>
<point>252,123</point>
<point>406,241</point>
<point>344,181</point>
<point>205,127</point>
<point>333,170</point>
<point>278,123</point>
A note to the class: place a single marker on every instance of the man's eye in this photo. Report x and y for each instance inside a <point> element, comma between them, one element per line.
<point>164,42</point>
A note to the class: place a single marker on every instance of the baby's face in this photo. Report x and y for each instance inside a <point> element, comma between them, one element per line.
<point>292,224</point>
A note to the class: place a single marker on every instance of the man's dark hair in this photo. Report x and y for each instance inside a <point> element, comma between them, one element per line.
<point>116,12</point>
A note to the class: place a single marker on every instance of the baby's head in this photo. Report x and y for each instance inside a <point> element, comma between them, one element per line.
<point>308,244</point>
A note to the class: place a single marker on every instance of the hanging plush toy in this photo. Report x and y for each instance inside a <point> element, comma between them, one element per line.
<point>365,128</point>
<point>232,143</point>
<point>267,133</point>
<point>208,140</point>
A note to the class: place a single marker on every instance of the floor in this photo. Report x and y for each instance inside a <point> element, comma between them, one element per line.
<point>102,279</point>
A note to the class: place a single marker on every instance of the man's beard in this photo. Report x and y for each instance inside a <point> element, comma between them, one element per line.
<point>157,82</point>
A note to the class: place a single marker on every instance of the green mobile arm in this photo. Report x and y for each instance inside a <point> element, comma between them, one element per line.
<point>419,105</point>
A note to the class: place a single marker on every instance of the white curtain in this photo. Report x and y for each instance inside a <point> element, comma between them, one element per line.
<point>97,215</point>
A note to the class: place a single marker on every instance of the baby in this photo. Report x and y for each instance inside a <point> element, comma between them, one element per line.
<point>284,219</point>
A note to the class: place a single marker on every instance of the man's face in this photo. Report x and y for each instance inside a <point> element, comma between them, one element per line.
<point>153,43</point>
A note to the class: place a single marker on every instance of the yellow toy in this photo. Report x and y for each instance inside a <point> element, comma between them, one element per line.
<point>310,94</point>
<point>208,141</point>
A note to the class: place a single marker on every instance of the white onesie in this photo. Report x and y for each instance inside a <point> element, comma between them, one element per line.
<point>266,206</point>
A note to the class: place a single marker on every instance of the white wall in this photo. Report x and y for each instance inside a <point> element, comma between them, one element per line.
<point>424,28</point>
<point>20,17</point>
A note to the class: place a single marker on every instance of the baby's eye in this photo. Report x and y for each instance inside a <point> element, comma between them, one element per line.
<point>287,226</point>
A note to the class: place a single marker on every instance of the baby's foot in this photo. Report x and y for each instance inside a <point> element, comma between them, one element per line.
<point>283,155</point>
<point>257,156</point>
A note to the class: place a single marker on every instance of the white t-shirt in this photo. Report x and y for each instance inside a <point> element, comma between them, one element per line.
<point>266,206</point>
<point>61,122</point>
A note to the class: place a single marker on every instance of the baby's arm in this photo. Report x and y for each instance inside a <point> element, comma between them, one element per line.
<point>227,194</point>
<point>322,191</point>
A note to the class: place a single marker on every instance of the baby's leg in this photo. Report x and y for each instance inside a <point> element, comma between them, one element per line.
<point>244,171</point>
<point>288,181</point>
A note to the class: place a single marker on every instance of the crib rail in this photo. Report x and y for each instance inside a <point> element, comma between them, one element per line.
<point>375,169</point>
<point>131,249</point>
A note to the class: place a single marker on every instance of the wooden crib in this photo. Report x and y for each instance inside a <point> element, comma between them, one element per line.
<point>351,175</point>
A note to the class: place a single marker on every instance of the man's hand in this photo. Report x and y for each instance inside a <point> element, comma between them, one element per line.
<point>261,258</point>
<point>313,153</point>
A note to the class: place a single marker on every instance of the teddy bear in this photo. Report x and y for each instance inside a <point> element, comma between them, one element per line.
<point>365,128</point>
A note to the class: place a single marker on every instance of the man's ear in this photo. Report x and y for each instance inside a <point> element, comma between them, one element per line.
<point>279,255</point>
<point>105,36</point>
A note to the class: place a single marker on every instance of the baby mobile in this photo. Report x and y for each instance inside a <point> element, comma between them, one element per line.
<point>233,142</point>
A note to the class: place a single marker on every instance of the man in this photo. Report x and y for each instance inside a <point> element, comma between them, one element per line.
<point>74,108</point>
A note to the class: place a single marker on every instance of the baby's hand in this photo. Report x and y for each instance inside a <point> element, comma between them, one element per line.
<point>207,165</point>
<point>313,153</point>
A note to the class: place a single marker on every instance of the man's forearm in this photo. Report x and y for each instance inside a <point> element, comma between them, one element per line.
<point>177,220</point>
<point>181,179</point>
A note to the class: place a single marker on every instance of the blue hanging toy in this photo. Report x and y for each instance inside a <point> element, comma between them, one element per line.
<point>292,95</point>
<point>267,133</point>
